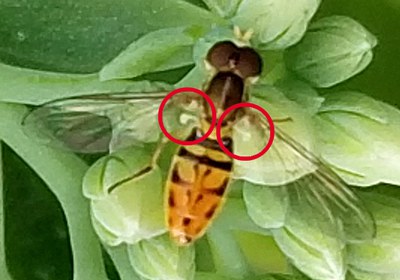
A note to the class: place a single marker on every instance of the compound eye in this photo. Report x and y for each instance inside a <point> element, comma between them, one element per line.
<point>221,54</point>
<point>249,64</point>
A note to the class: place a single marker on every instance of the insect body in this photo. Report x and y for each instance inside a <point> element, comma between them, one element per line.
<point>200,174</point>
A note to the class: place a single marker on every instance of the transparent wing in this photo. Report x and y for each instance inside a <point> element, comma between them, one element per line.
<point>326,196</point>
<point>105,122</point>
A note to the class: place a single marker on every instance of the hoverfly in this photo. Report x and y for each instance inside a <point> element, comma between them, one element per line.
<point>200,174</point>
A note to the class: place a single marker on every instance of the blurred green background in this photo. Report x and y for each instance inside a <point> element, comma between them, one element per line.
<point>81,36</point>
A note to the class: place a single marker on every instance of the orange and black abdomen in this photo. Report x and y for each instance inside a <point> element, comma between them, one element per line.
<point>197,183</point>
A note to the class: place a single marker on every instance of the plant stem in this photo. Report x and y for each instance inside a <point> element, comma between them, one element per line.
<point>63,173</point>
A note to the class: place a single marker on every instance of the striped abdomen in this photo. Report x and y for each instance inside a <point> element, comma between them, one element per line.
<point>198,180</point>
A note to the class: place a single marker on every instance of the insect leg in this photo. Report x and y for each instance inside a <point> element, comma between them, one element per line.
<point>145,170</point>
<point>279,120</point>
<point>157,152</point>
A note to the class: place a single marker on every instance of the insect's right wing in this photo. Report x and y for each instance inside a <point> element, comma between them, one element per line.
<point>316,194</point>
<point>102,122</point>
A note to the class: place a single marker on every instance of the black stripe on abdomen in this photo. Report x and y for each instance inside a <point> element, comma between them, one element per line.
<point>213,144</point>
<point>224,165</point>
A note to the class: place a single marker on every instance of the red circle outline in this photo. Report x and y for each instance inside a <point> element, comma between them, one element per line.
<point>271,135</point>
<point>164,102</point>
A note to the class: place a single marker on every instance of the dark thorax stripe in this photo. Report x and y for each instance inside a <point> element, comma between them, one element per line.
<point>213,144</point>
<point>224,165</point>
<point>210,143</point>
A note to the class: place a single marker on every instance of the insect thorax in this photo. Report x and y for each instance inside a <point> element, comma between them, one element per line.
<point>225,89</point>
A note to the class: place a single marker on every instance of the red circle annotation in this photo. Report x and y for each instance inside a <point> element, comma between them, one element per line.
<point>164,102</point>
<point>215,123</point>
<point>271,129</point>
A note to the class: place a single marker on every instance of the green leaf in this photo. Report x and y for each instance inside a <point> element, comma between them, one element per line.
<point>266,205</point>
<point>81,37</point>
<point>333,50</point>
<point>4,274</point>
<point>160,50</point>
<point>359,136</point>
<point>379,258</point>
<point>277,24</point>
<point>281,164</point>
<point>161,259</point>
<point>28,86</point>
<point>133,211</point>
<point>64,180</point>
<point>223,8</point>
<point>195,78</point>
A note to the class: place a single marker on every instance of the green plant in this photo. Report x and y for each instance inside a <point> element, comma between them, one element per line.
<point>129,46</point>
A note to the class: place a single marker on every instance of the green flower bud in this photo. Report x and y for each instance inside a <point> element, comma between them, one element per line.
<point>266,205</point>
<point>134,210</point>
<point>161,259</point>
<point>277,24</point>
<point>311,242</point>
<point>333,50</point>
<point>379,258</point>
<point>359,136</point>
<point>302,231</point>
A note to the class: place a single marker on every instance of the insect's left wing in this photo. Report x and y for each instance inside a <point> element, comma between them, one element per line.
<point>99,123</point>
<point>326,197</point>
